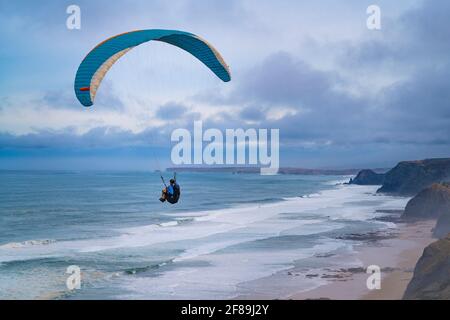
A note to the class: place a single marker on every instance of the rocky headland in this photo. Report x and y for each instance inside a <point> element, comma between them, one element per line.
<point>368,177</point>
<point>428,182</point>
<point>410,177</point>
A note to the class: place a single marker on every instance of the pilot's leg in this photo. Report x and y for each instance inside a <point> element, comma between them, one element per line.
<point>163,195</point>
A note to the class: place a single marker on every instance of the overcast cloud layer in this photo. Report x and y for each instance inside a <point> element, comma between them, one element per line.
<point>340,94</point>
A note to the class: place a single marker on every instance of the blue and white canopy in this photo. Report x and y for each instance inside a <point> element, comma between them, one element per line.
<point>97,63</point>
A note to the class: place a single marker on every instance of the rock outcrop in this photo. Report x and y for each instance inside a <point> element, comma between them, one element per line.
<point>430,203</point>
<point>368,177</point>
<point>442,225</point>
<point>431,280</point>
<point>410,177</point>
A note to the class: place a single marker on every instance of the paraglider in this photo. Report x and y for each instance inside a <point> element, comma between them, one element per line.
<point>99,60</point>
<point>96,64</point>
<point>172,192</point>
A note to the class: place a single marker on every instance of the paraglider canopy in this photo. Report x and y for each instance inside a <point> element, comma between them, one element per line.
<point>97,63</point>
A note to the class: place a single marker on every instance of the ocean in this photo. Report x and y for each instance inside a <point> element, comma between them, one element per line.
<point>227,231</point>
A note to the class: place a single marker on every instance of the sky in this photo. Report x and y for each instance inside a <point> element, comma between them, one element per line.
<point>342,96</point>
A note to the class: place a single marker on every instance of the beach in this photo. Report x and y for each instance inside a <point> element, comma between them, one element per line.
<point>396,257</point>
<point>396,252</point>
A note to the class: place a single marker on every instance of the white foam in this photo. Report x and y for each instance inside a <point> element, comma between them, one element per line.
<point>203,233</point>
<point>247,224</point>
<point>27,243</point>
<point>343,180</point>
<point>168,224</point>
<point>223,275</point>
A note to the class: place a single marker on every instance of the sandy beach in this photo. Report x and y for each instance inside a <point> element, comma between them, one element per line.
<point>396,256</point>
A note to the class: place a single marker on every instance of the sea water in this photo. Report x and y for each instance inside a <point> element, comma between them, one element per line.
<point>227,231</point>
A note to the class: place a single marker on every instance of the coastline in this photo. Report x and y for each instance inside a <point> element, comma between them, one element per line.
<point>319,247</point>
<point>341,274</point>
<point>396,256</point>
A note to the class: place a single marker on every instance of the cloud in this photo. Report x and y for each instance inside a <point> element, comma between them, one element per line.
<point>177,112</point>
<point>283,79</point>
<point>411,110</point>
<point>252,113</point>
<point>99,137</point>
<point>382,90</point>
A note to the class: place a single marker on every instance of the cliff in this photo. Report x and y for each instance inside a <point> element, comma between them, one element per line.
<point>432,202</point>
<point>442,225</point>
<point>431,278</point>
<point>368,177</point>
<point>410,177</point>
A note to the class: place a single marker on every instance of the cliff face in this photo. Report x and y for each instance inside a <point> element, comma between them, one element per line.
<point>442,225</point>
<point>431,278</point>
<point>431,202</point>
<point>409,177</point>
<point>368,177</point>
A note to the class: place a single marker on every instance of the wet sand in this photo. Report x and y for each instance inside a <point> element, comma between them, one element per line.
<point>396,257</point>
